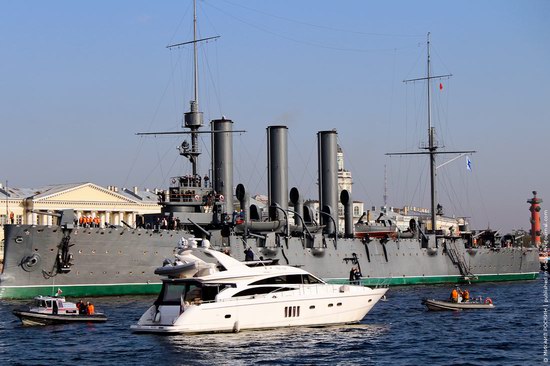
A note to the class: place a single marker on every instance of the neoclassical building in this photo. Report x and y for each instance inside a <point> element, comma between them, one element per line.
<point>110,205</point>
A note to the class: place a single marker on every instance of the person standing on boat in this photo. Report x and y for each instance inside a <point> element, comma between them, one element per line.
<point>90,308</point>
<point>357,276</point>
<point>354,276</point>
<point>454,295</point>
<point>81,307</point>
<point>465,296</point>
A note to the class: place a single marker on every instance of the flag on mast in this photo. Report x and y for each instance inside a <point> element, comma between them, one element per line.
<point>468,163</point>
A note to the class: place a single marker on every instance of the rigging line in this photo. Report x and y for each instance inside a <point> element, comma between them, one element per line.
<point>423,186</point>
<point>189,6</point>
<point>418,58</point>
<point>252,170</point>
<point>152,120</point>
<point>324,26</point>
<point>217,92</point>
<point>389,129</point>
<point>312,44</point>
<point>439,58</point>
<point>158,166</point>
<point>211,78</point>
<point>155,114</point>
<point>305,164</point>
<point>451,193</point>
<point>353,169</point>
<point>481,199</point>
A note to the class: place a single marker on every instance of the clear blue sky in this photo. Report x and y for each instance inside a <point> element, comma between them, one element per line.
<point>80,78</point>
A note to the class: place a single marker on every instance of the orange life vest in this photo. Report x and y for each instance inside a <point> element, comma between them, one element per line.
<point>454,295</point>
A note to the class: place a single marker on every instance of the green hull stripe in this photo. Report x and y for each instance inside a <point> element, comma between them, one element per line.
<point>81,290</point>
<point>432,280</point>
<point>154,288</point>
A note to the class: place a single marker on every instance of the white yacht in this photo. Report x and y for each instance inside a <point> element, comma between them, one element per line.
<point>233,297</point>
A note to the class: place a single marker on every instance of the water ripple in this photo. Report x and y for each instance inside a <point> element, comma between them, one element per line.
<point>396,332</point>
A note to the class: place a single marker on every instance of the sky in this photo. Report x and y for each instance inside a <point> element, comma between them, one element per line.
<point>79,79</point>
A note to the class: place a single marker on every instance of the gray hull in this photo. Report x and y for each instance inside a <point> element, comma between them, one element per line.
<point>122,261</point>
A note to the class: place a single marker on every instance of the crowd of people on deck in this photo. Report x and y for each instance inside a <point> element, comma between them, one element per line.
<point>89,221</point>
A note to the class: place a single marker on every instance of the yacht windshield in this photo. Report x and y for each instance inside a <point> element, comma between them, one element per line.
<point>192,291</point>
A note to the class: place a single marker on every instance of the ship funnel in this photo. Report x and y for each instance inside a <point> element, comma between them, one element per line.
<point>328,180</point>
<point>222,161</point>
<point>277,169</point>
<point>345,198</point>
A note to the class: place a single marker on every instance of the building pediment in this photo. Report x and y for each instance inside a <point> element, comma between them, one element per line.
<point>85,192</point>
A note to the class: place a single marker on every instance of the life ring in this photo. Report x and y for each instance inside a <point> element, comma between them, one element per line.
<point>488,300</point>
<point>197,197</point>
<point>221,198</point>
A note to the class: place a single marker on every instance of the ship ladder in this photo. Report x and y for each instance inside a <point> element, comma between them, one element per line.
<point>460,262</point>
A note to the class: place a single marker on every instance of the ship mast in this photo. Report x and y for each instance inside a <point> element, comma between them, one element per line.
<point>193,120</point>
<point>432,148</point>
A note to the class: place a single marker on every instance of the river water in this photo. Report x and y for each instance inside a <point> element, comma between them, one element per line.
<point>398,331</point>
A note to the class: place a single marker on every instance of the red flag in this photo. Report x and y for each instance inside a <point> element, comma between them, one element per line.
<point>440,86</point>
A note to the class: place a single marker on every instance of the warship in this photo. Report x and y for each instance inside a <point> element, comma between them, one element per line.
<point>122,260</point>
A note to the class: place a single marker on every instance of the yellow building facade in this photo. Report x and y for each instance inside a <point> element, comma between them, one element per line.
<point>110,205</point>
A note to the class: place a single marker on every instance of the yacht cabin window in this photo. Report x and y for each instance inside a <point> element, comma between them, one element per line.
<point>294,279</point>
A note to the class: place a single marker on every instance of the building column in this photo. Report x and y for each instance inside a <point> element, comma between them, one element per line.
<point>130,218</point>
<point>116,218</point>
